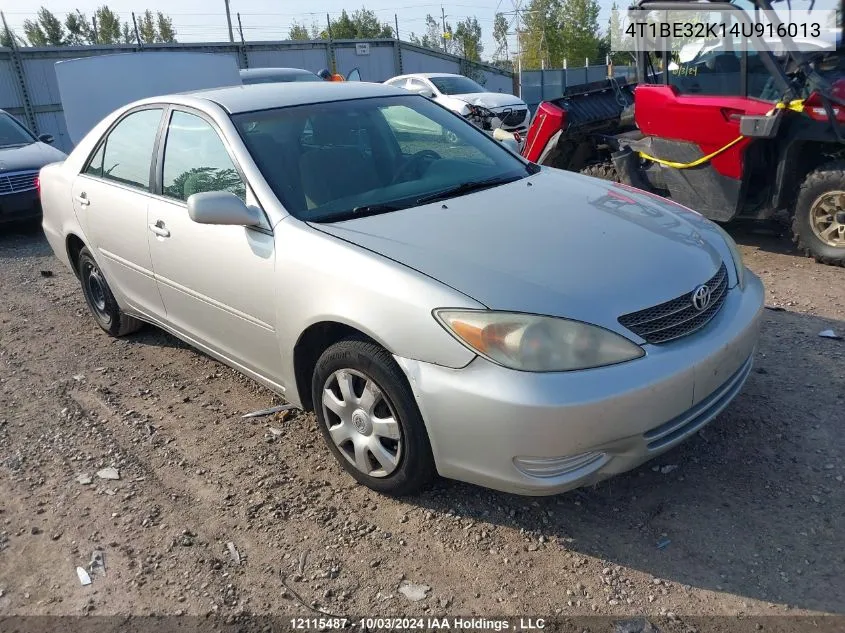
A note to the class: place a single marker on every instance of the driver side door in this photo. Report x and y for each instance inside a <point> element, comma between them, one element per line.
<point>216,281</point>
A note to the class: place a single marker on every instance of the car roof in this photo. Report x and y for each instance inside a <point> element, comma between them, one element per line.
<point>248,98</point>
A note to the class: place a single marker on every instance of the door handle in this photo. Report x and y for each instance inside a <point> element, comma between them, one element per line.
<point>83,200</point>
<point>158,229</point>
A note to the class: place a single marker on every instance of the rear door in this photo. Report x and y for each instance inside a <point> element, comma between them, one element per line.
<point>216,281</point>
<point>110,198</point>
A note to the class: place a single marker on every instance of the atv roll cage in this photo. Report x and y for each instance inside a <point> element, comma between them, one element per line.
<point>790,88</point>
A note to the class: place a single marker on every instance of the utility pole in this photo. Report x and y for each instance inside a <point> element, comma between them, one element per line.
<point>229,22</point>
<point>396,22</point>
<point>443,25</point>
<point>241,30</point>
<point>518,53</point>
<point>94,32</point>
<point>135,24</point>
<point>244,54</point>
<point>332,63</point>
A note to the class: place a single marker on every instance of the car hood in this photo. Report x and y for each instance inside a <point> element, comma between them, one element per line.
<point>489,99</point>
<point>556,243</point>
<point>32,156</point>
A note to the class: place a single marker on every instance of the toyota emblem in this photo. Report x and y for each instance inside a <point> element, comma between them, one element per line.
<point>701,298</point>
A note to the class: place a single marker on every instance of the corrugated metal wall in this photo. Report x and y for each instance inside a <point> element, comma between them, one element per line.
<point>386,59</point>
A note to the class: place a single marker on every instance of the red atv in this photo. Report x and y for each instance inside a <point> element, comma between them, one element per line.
<point>751,134</point>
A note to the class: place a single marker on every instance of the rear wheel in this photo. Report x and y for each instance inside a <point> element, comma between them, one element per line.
<point>369,418</point>
<point>605,171</point>
<point>818,225</point>
<point>101,301</point>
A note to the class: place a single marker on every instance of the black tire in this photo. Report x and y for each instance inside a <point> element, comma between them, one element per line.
<point>827,178</point>
<point>101,301</point>
<point>415,468</point>
<point>605,171</point>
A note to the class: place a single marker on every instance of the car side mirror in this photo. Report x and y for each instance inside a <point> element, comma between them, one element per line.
<point>46,138</point>
<point>221,207</point>
<point>426,92</point>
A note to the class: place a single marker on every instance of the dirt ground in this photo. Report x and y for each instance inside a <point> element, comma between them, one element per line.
<point>748,517</point>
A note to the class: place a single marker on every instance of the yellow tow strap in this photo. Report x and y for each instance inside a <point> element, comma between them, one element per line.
<point>796,105</point>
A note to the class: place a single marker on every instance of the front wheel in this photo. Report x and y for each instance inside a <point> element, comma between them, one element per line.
<point>818,225</point>
<point>369,418</point>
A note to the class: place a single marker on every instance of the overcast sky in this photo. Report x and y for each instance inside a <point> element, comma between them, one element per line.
<point>204,20</point>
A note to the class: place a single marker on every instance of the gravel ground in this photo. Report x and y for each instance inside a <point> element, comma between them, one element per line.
<point>213,514</point>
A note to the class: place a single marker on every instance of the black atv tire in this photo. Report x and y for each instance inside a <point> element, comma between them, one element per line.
<point>827,178</point>
<point>605,171</point>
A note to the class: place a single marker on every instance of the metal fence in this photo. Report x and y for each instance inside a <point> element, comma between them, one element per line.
<point>29,90</point>
<point>541,85</point>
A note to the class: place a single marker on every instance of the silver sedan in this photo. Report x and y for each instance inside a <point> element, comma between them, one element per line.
<point>442,305</point>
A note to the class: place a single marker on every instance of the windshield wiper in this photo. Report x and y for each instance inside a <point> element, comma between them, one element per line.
<point>465,188</point>
<point>360,212</point>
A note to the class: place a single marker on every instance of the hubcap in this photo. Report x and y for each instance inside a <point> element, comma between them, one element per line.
<point>362,423</point>
<point>827,218</point>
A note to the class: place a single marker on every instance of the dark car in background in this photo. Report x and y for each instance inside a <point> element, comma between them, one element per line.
<point>276,75</point>
<point>22,155</point>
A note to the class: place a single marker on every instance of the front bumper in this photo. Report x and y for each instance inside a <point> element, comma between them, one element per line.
<point>16,207</point>
<point>484,420</point>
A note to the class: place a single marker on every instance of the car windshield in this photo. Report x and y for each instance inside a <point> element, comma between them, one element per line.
<point>455,85</point>
<point>12,132</point>
<point>333,161</point>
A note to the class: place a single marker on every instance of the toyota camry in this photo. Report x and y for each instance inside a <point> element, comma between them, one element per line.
<point>441,304</point>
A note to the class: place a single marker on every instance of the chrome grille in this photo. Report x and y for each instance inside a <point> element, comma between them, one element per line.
<point>515,117</point>
<point>17,182</point>
<point>678,317</point>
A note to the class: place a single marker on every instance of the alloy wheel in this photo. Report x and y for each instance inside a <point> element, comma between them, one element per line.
<point>827,218</point>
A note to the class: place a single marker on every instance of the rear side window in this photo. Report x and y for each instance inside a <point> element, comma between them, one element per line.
<point>128,150</point>
<point>196,160</point>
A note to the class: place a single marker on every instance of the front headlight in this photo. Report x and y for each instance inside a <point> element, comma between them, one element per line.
<point>739,265</point>
<point>530,342</point>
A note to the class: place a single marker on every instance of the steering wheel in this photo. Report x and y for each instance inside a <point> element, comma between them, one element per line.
<point>414,163</point>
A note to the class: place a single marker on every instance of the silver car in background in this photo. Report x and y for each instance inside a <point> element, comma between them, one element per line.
<point>442,305</point>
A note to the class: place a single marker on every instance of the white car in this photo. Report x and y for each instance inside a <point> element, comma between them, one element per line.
<point>458,93</point>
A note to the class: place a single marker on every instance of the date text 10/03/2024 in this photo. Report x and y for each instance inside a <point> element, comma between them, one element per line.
<point>426,624</point>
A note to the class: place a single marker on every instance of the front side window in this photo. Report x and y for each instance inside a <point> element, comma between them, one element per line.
<point>371,155</point>
<point>456,85</point>
<point>196,160</point>
<point>128,152</point>
<point>95,166</point>
<point>13,133</point>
